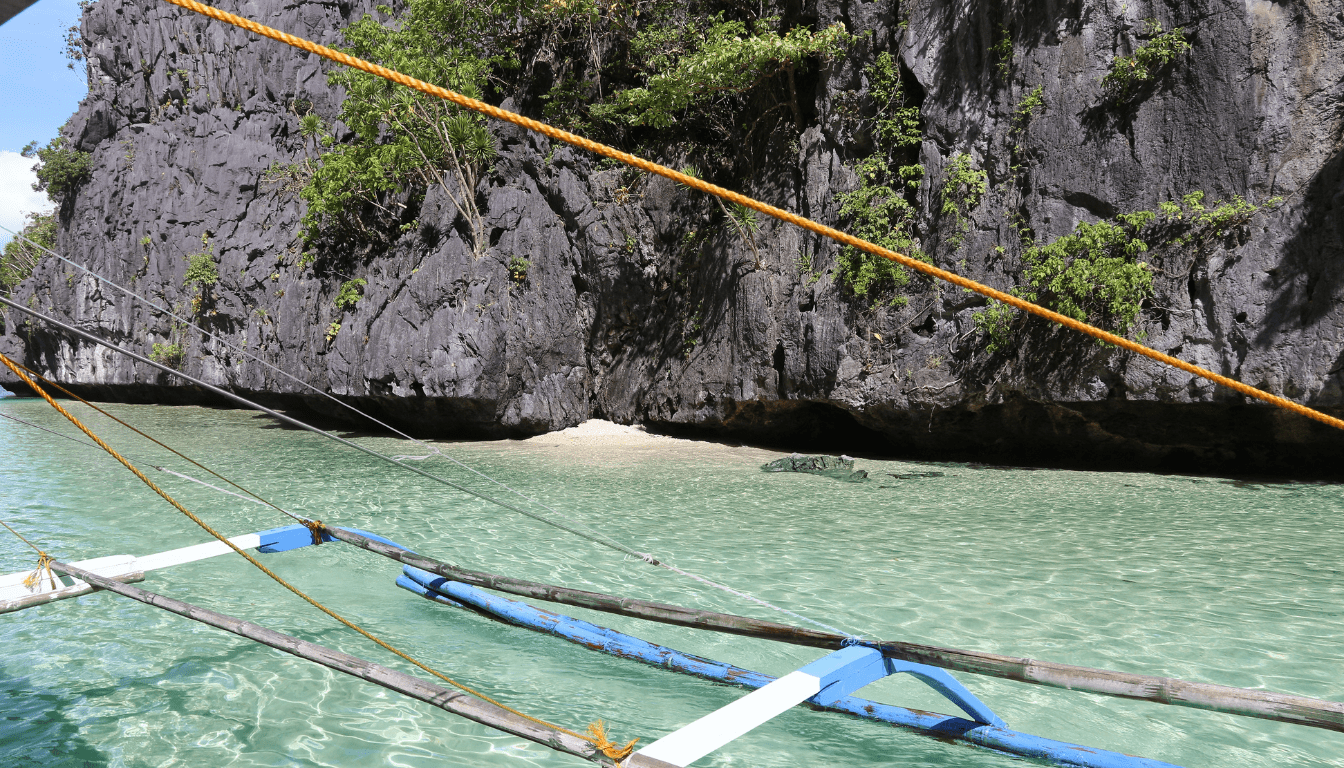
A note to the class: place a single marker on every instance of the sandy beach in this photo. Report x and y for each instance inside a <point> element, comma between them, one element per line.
<point>599,440</point>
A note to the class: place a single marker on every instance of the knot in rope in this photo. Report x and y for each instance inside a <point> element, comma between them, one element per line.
<point>316,528</point>
<point>34,579</point>
<point>597,734</point>
<point>646,557</point>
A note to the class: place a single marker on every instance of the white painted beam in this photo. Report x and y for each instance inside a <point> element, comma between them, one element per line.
<point>685,746</point>
<point>196,552</point>
<point>834,675</point>
<point>15,595</point>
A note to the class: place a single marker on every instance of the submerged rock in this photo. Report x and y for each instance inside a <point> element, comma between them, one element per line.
<point>841,468</point>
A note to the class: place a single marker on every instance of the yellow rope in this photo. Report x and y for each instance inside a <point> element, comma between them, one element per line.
<point>43,562</point>
<point>169,448</point>
<point>769,210</point>
<point>605,746</point>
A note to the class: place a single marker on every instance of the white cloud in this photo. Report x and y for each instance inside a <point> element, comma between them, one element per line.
<point>17,198</point>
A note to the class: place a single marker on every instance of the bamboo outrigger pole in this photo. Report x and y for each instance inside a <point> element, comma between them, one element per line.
<point>454,702</point>
<point>1266,705</point>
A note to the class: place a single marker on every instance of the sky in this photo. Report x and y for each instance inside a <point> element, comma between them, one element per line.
<point>38,93</point>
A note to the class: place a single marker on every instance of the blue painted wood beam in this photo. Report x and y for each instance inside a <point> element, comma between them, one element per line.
<point>844,672</point>
<point>287,538</point>
<point>995,737</point>
<point>295,536</point>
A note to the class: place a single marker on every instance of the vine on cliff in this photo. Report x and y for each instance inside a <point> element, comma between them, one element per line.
<point>1129,74</point>
<point>1094,274</point>
<point>202,273</point>
<point>963,186</point>
<point>19,258</point>
<point>689,66</point>
<point>880,210</point>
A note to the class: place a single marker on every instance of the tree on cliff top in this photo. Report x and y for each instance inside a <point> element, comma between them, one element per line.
<point>404,139</point>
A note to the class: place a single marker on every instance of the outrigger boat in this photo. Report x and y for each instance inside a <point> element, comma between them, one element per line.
<point>826,684</point>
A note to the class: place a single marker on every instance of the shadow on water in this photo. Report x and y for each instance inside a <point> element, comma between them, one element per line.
<point>34,730</point>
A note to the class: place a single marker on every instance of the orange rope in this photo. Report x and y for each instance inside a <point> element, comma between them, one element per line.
<point>597,739</point>
<point>769,210</point>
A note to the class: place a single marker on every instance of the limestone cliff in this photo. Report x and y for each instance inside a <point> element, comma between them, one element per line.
<point>639,307</point>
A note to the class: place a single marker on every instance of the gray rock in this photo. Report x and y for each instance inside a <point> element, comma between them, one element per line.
<point>619,319</point>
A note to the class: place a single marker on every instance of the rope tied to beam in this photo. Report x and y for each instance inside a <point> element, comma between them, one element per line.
<point>32,580</point>
<point>597,734</point>
<point>316,528</point>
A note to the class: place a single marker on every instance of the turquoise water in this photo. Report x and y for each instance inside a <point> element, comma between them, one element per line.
<point>1195,578</point>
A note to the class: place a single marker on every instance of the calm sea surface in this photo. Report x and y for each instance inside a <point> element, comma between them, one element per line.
<point>1195,578</point>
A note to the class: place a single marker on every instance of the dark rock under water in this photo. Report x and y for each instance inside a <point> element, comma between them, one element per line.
<point>840,468</point>
<point>618,319</point>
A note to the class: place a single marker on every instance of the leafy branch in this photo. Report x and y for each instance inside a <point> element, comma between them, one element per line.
<point>879,211</point>
<point>404,139</point>
<point>1128,74</point>
<point>691,66</point>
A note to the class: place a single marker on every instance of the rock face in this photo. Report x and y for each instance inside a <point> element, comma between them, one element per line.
<point>639,306</point>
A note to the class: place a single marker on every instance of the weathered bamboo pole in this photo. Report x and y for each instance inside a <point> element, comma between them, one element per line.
<point>641,609</point>
<point>1265,705</point>
<point>454,702</point>
<point>42,598</point>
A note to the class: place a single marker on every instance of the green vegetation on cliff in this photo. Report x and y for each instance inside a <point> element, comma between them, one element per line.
<point>404,141</point>
<point>60,169</point>
<point>350,294</point>
<point>880,210</point>
<point>1094,274</point>
<point>689,65</point>
<point>692,77</point>
<point>19,258</point>
<point>1129,74</point>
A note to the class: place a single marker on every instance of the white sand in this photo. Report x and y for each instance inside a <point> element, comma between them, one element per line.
<point>598,441</point>
<point>599,433</point>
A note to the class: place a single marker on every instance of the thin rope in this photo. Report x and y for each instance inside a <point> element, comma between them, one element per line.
<point>225,490</point>
<point>740,199</point>
<point>49,431</point>
<point>166,447</point>
<point>564,524</point>
<point>25,541</point>
<point>610,750</point>
<point>165,470</point>
<point>43,562</point>
<point>757,600</point>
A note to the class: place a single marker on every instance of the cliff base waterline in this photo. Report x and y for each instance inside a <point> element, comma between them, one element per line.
<point>1219,439</point>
